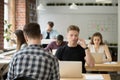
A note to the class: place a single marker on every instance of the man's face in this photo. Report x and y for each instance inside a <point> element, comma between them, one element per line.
<point>49,28</point>
<point>58,42</point>
<point>72,36</point>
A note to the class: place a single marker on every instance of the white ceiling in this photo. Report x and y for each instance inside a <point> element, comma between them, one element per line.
<point>71,1</point>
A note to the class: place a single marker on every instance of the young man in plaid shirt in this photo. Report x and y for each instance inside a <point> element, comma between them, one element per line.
<point>33,61</point>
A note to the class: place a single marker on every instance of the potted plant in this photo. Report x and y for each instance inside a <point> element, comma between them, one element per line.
<point>7,34</point>
<point>7,31</point>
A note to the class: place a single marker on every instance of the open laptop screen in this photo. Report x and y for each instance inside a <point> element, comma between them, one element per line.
<point>70,69</point>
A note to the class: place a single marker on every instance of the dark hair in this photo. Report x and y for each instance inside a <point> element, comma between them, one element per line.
<point>98,34</point>
<point>51,24</point>
<point>73,27</point>
<point>32,30</point>
<point>60,38</point>
<point>20,38</point>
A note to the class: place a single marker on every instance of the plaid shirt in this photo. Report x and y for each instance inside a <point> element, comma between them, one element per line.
<point>34,62</point>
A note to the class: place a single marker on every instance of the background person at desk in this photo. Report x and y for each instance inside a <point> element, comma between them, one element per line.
<point>74,51</point>
<point>56,44</point>
<point>33,61</point>
<point>20,40</point>
<point>97,46</point>
<point>49,33</point>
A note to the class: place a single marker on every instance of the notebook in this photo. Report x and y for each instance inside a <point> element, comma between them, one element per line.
<point>54,51</point>
<point>98,57</point>
<point>70,69</point>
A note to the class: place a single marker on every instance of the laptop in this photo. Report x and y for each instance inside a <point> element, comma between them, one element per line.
<point>70,69</point>
<point>98,57</point>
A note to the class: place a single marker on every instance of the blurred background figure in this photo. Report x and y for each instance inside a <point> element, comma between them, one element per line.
<point>49,33</point>
<point>97,46</point>
<point>56,44</point>
<point>20,40</point>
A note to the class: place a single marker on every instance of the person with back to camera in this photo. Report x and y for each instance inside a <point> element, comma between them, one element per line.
<point>33,61</point>
<point>76,49</point>
<point>97,46</point>
<point>56,44</point>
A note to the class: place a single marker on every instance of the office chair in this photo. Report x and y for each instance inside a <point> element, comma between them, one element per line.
<point>24,78</point>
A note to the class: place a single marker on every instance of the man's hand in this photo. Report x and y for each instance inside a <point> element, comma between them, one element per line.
<point>82,43</point>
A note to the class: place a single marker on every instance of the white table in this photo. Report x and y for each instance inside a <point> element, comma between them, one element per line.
<point>47,41</point>
<point>5,58</point>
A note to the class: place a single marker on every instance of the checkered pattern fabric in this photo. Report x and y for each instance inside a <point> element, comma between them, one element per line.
<point>34,62</point>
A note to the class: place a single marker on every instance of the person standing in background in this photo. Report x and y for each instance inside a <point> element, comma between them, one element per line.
<point>97,46</point>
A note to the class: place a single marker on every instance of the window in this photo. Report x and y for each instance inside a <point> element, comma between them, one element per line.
<point>5,19</point>
<point>6,10</point>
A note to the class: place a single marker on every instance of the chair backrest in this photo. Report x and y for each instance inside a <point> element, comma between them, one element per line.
<point>24,78</point>
<point>98,57</point>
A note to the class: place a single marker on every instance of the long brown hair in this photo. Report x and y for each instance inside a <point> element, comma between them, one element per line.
<point>20,38</point>
<point>98,34</point>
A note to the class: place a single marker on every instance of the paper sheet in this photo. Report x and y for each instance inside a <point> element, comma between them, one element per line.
<point>94,77</point>
<point>2,56</point>
<point>110,63</point>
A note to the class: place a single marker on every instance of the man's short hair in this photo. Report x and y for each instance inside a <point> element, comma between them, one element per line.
<point>60,38</point>
<point>51,24</point>
<point>73,27</point>
<point>32,30</point>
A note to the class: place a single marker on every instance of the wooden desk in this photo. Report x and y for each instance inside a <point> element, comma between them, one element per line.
<point>104,67</point>
<point>105,76</point>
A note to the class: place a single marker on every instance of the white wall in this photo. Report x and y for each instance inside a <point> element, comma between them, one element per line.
<point>89,18</point>
<point>118,30</point>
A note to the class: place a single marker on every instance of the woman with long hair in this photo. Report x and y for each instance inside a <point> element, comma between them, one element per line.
<point>20,40</point>
<point>98,46</point>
